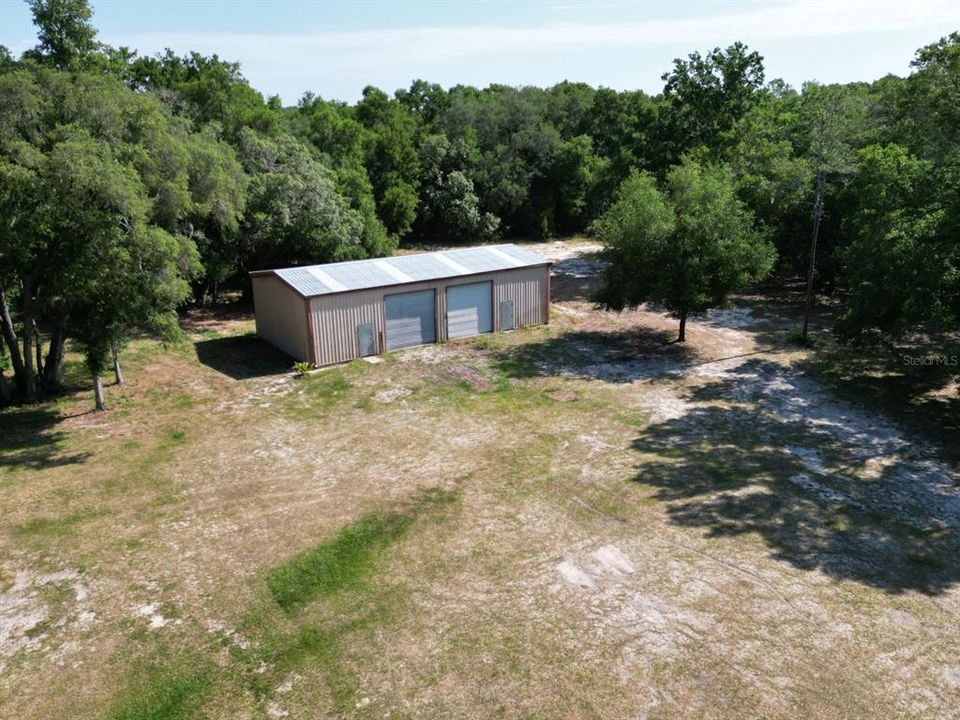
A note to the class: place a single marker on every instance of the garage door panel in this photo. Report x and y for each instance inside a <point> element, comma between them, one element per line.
<point>411,319</point>
<point>469,309</point>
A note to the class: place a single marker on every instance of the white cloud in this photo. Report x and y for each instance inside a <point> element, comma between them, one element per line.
<point>806,18</point>
<point>288,63</point>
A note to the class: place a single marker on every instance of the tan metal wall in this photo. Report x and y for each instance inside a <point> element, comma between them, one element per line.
<point>334,318</point>
<point>281,315</point>
<point>528,289</point>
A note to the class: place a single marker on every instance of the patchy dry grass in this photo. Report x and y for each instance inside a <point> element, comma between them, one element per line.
<point>561,522</point>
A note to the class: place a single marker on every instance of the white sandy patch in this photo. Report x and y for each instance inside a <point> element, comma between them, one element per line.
<point>564,250</point>
<point>730,317</point>
<point>574,575</point>
<point>287,685</point>
<point>391,394</point>
<point>662,403</point>
<point>611,559</point>
<point>593,442</point>
<point>275,710</point>
<point>278,452</point>
<point>428,354</point>
<point>149,611</point>
<point>22,610</point>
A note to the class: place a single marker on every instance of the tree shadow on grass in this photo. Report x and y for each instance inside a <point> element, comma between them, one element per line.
<point>32,441</point>
<point>821,490</point>
<point>242,357</point>
<point>618,356</point>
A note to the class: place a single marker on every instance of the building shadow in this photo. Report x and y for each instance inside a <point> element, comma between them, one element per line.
<point>242,357</point>
<point>822,490</point>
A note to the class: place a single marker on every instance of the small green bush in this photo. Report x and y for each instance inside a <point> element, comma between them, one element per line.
<point>302,368</point>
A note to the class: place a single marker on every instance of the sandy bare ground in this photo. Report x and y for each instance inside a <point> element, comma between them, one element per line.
<point>644,529</point>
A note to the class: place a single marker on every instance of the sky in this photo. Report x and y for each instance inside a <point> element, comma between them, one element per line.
<point>335,49</point>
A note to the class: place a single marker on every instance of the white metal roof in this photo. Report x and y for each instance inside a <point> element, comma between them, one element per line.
<point>310,280</point>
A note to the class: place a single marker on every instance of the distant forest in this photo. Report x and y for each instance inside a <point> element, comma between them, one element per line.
<point>131,185</point>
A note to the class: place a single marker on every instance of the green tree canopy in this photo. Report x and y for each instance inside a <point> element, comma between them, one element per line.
<point>903,263</point>
<point>95,186</point>
<point>295,213</point>
<point>67,37</point>
<point>686,248</point>
<point>708,94</point>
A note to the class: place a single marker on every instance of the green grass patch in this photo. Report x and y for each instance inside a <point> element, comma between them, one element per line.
<point>342,561</point>
<point>323,391</point>
<point>163,693</point>
<point>145,469</point>
<point>52,527</point>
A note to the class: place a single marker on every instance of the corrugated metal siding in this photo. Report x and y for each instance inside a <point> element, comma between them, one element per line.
<point>334,318</point>
<point>527,287</point>
<point>281,316</point>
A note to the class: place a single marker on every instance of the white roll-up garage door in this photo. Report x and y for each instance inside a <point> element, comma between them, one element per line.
<point>469,309</point>
<point>410,319</point>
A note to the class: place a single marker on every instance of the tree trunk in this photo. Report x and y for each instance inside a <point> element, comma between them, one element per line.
<point>98,392</point>
<point>13,345</point>
<point>117,372</point>
<point>53,365</point>
<point>29,380</point>
<point>38,349</point>
<point>683,327</point>
<point>6,395</point>
<point>808,302</point>
<point>204,294</point>
<point>820,181</point>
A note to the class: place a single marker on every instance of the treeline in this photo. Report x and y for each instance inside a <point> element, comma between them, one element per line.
<point>130,185</point>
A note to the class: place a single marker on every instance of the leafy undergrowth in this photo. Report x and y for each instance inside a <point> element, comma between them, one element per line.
<point>310,606</point>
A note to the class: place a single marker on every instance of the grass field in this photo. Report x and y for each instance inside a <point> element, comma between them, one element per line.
<point>572,521</point>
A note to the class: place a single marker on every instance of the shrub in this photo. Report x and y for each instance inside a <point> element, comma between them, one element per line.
<point>302,368</point>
